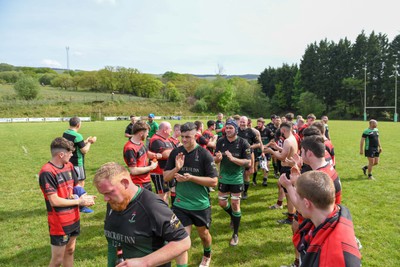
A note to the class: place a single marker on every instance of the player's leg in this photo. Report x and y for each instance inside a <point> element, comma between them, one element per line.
<point>186,221</point>
<point>68,260</point>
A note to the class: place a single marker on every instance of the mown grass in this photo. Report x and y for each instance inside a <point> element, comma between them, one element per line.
<point>23,222</point>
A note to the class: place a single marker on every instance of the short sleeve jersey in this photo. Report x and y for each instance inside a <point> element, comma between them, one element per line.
<point>207,134</point>
<point>231,173</point>
<point>219,125</point>
<point>153,128</point>
<point>332,243</point>
<point>175,141</point>
<point>159,144</point>
<point>77,157</point>
<point>129,129</point>
<point>371,138</point>
<point>142,228</point>
<point>249,135</point>
<point>330,170</point>
<point>60,181</point>
<point>135,155</point>
<point>198,162</point>
<point>266,135</point>
<point>201,140</point>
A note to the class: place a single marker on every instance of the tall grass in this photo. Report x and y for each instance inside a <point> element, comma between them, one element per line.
<point>23,222</point>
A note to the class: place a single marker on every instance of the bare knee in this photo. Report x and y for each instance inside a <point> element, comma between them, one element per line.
<point>69,250</point>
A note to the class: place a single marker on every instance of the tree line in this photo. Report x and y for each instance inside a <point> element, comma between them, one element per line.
<point>330,80</point>
<point>332,76</point>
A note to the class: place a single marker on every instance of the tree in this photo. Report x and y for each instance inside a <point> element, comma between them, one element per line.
<point>63,81</point>
<point>46,78</point>
<point>10,76</point>
<point>171,93</point>
<point>309,103</point>
<point>26,88</point>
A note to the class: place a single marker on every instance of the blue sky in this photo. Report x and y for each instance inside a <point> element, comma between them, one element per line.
<point>185,36</point>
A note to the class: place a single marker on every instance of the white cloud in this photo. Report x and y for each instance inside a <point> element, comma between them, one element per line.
<point>51,63</point>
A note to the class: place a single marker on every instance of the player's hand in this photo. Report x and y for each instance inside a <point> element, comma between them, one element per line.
<point>268,150</point>
<point>285,182</point>
<point>298,160</point>
<point>179,160</point>
<point>380,150</point>
<point>153,164</point>
<point>87,200</point>
<point>134,262</point>
<point>218,156</point>
<point>229,155</point>
<point>181,178</point>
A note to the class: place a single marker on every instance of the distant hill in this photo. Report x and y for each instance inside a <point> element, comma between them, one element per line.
<point>244,76</point>
<point>201,76</point>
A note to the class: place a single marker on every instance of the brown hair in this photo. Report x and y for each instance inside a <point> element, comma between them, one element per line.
<point>61,144</point>
<point>139,126</point>
<point>317,187</point>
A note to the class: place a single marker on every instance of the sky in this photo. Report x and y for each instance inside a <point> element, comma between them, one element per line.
<point>229,37</point>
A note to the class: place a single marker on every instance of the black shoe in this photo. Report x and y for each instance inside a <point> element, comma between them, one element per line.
<point>364,169</point>
<point>245,196</point>
<point>265,182</point>
<point>285,221</point>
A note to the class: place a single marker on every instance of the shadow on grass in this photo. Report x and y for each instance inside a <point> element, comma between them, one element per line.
<point>357,178</point>
<point>22,214</point>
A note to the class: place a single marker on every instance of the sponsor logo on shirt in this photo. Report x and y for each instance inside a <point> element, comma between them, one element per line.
<point>132,219</point>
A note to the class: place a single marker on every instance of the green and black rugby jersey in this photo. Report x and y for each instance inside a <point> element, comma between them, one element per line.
<point>77,158</point>
<point>146,225</point>
<point>371,138</point>
<point>198,162</point>
<point>231,173</point>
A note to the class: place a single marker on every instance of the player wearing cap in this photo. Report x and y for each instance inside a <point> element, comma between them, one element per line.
<point>233,154</point>
<point>152,124</point>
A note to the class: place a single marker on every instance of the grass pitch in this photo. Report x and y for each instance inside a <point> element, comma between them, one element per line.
<point>23,221</point>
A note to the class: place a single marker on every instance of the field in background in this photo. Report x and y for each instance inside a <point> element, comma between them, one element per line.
<point>53,102</point>
<point>23,222</point>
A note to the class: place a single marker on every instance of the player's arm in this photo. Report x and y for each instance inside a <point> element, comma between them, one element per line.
<point>379,145</point>
<point>362,145</point>
<point>259,143</point>
<point>173,166</point>
<point>212,142</point>
<point>282,155</point>
<point>237,161</point>
<point>88,142</point>
<point>161,256</point>
<point>201,180</point>
<point>145,169</point>
<point>56,201</point>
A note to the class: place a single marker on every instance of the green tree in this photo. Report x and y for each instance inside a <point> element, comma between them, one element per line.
<point>26,88</point>
<point>310,103</point>
<point>46,78</point>
<point>171,93</point>
<point>63,81</point>
<point>10,76</point>
<point>200,106</point>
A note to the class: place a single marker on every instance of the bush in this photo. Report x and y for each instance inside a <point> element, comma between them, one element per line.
<point>26,88</point>
<point>200,106</point>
